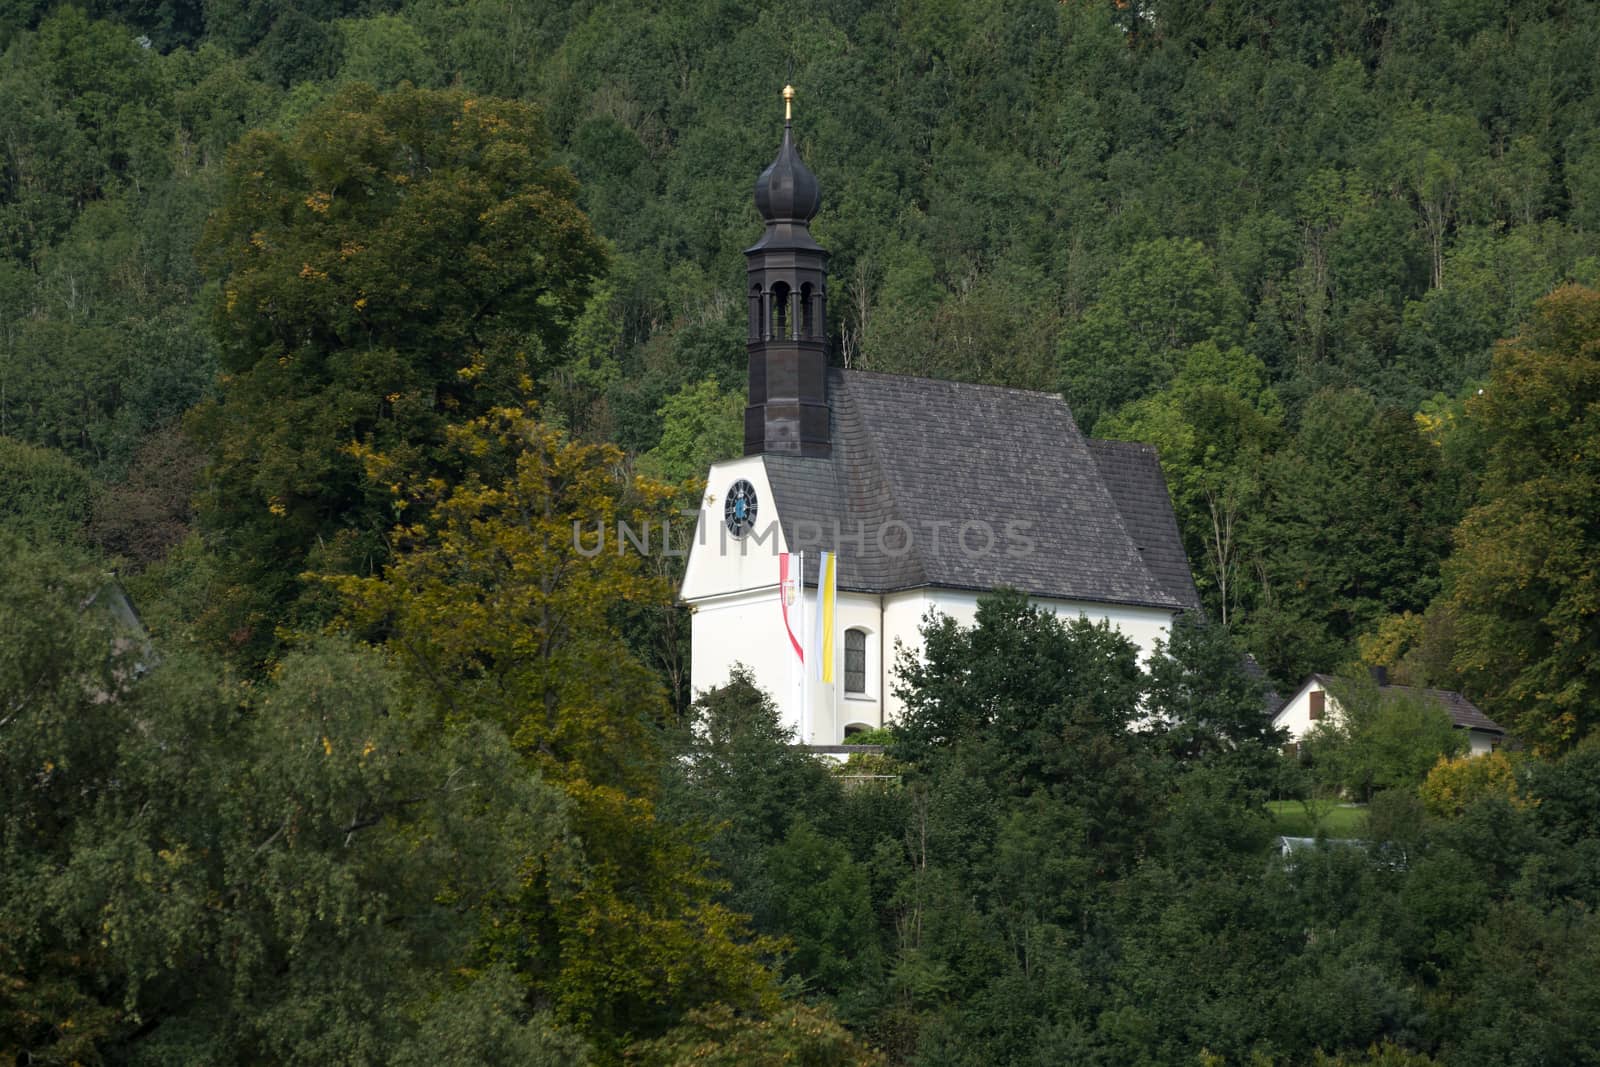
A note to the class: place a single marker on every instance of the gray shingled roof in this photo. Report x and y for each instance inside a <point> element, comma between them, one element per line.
<point>1463,712</point>
<point>941,457</point>
<point>1270,698</point>
<point>1131,472</point>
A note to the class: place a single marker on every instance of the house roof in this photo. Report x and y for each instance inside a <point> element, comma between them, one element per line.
<point>937,459</point>
<point>1269,696</point>
<point>1464,714</point>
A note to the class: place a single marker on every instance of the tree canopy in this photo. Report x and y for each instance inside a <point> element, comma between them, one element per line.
<point>321,323</point>
<point>404,261</point>
<point>1524,587</point>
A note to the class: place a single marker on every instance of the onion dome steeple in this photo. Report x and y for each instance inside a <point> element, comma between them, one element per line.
<point>787,191</point>
<point>788,337</point>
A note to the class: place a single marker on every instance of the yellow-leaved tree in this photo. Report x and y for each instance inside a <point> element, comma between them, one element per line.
<point>1455,784</point>
<point>501,608</point>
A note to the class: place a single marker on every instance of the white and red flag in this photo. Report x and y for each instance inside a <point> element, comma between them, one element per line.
<point>791,596</point>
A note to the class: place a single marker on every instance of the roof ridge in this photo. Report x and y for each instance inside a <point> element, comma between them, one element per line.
<point>1141,446</point>
<point>955,382</point>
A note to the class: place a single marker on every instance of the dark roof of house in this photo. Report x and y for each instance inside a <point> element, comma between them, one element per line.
<point>1463,713</point>
<point>1269,696</point>
<point>953,465</point>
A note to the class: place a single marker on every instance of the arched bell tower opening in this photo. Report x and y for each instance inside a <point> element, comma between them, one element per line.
<point>788,335</point>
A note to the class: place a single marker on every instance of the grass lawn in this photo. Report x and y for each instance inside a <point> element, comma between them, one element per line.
<point>1294,820</point>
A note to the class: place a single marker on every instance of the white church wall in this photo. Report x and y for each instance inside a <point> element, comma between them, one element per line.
<point>903,615</point>
<point>747,628</point>
<point>742,628</point>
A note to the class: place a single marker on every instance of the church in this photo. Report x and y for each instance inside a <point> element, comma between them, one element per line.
<point>926,494</point>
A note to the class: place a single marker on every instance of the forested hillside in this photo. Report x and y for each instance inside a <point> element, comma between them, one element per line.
<point>1278,243</point>
<point>322,320</point>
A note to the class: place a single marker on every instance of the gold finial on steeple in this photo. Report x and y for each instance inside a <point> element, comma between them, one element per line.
<point>788,102</point>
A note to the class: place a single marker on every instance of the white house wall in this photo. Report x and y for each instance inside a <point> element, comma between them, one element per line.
<point>1295,716</point>
<point>745,628</point>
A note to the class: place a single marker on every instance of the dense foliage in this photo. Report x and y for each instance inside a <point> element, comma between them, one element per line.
<point>1279,244</point>
<point>320,324</point>
<point>1038,888</point>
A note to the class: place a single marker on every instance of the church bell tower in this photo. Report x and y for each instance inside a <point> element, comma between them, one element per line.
<point>787,290</point>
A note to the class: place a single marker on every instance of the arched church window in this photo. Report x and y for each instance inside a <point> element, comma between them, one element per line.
<point>758,327</point>
<point>855,661</point>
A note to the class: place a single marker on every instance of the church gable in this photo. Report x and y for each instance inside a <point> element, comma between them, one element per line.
<point>720,561</point>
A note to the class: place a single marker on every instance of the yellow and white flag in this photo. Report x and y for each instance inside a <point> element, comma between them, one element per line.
<point>823,639</point>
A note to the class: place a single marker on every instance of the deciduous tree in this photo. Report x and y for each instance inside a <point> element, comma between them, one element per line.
<point>1524,586</point>
<point>401,262</point>
<point>195,870</point>
<point>501,602</point>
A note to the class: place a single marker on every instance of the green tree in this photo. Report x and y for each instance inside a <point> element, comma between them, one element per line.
<point>1164,296</point>
<point>1207,707</point>
<point>996,329</point>
<point>719,1037</point>
<point>1359,510</point>
<point>1525,594</point>
<point>385,50</point>
<point>779,819</point>
<point>1032,713</point>
<point>1435,158</point>
<point>700,425</point>
<point>403,262</point>
<point>195,870</point>
<point>1381,739</point>
<point>1021,685</point>
<point>500,605</point>
<point>1213,426</point>
<point>43,494</point>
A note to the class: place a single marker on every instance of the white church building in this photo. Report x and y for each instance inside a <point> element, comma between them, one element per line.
<point>930,493</point>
